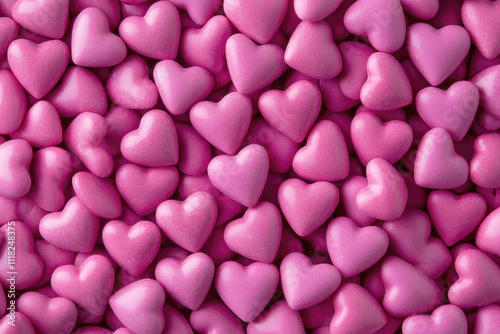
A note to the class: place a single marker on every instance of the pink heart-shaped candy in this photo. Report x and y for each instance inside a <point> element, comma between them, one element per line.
<point>353,76</point>
<point>195,152</point>
<point>43,17</point>
<point>15,159</point>
<point>481,21</point>
<point>214,316</point>
<point>446,319</point>
<point>484,170</point>
<point>423,10</point>
<point>12,103</point>
<point>279,319</point>
<point>487,319</point>
<point>199,11</point>
<point>119,121</point>
<point>348,193</point>
<point>22,324</point>
<point>489,232</point>
<point>315,10</point>
<point>8,31</point>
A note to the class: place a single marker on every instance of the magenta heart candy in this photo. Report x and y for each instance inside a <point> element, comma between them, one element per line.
<point>119,121</point>
<point>214,316</point>
<point>333,97</point>
<point>43,17</point>
<point>446,319</point>
<point>52,258</point>
<point>279,319</point>
<point>88,285</point>
<point>315,10</point>
<point>187,281</point>
<point>424,10</point>
<point>354,74</point>
<point>489,232</point>
<point>199,11</point>
<point>12,103</point>
<point>8,31</point>
<point>195,152</point>
<point>175,321</point>
<point>110,8</point>
<point>487,319</point>
<point>21,324</point>
<point>480,20</point>
<point>348,193</point>
<point>257,234</point>
<point>156,35</point>
<point>15,159</point>
<point>483,167</point>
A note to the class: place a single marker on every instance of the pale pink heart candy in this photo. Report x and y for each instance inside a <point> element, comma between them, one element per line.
<point>246,290</point>
<point>383,22</point>
<point>139,92</point>
<point>15,160</point>
<point>293,111</point>
<point>387,86</point>
<point>180,88</point>
<point>489,232</point>
<point>119,121</point>
<point>157,34</point>
<point>354,249</point>
<point>52,167</point>
<point>410,238</point>
<point>110,8</point>
<point>92,43</point>
<point>75,228</point>
<point>437,53</point>
<point>28,266</point>
<point>305,284</point>
<point>356,311</point>
<point>311,51</point>
<point>22,324</point>
<point>307,206</point>
<point>84,137</point>
<point>325,156</point>
<point>251,66</point>
<point>423,10</point>
<point>187,281</point>
<point>349,191</point>
<point>257,234</point>
<point>354,74</point>
<point>407,289</point>
<point>315,10</point>
<point>195,152</point>
<point>88,285</point>
<point>478,283</point>
<point>139,306</point>
<point>456,107</point>
<point>48,315</point>
<point>41,126</point>
<point>487,319</point>
<point>373,139</point>
<point>214,316</point>
<point>386,194</point>
<point>38,67</point>
<point>143,189</point>
<point>454,217</point>
<point>79,91</point>
<point>205,47</point>
<point>132,247</point>
<point>43,17</point>
<point>437,165</point>
<point>280,318</point>
<point>480,18</point>
<point>199,11</point>
<point>241,177</point>
<point>484,166</point>
<point>188,223</point>
<point>223,124</point>
<point>259,20</point>
<point>12,103</point>
<point>8,31</point>
<point>446,319</point>
<point>154,143</point>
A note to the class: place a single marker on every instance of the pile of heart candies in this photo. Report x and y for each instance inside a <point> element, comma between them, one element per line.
<point>260,167</point>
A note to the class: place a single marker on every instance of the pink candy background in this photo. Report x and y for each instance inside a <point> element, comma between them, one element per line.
<point>264,166</point>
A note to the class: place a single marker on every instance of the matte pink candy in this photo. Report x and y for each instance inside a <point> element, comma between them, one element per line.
<point>12,103</point>
<point>444,319</point>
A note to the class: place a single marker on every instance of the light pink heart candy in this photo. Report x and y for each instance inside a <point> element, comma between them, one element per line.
<point>311,51</point>
<point>139,306</point>
<point>478,283</point>
<point>75,228</point>
<point>373,139</point>
<point>92,43</point>
<point>139,92</point>
<point>12,103</point>
<point>407,289</point>
<point>238,287</point>
<point>356,311</point>
<point>154,143</point>
<point>241,177</point>
<point>481,21</point>
<point>305,284</point>
<point>257,234</point>
<point>84,137</point>
<point>15,160</point>
<point>199,11</point>
<point>437,165</point>
<point>457,107</point>
<point>315,10</point>
<point>446,319</point>
<point>48,315</point>
<point>223,124</point>
<point>259,20</point>
<point>386,195</point>
<point>437,53</point>
<point>383,22</point>
<point>251,66</point>
<point>325,156</point>
<point>143,189</point>
<point>180,88</point>
<point>41,126</point>
<point>353,249</point>
<point>280,318</point>
<point>8,31</point>
<point>215,316</point>
<point>423,10</point>
<point>487,319</point>
<point>293,111</point>
<point>43,17</point>
<point>188,223</point>
<point>88,285</point>
<point>354,74</point>
<point>187,281</point>
<point>387,86</point>
<point>307,206</point>
<point>38,67</point>
<point>488,233</point>
<point>156,35</point>
<point>484,170</point>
